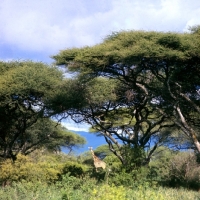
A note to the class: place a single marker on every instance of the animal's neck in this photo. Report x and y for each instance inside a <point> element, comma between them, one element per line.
<point>93,154</point>
<point>95,158</point>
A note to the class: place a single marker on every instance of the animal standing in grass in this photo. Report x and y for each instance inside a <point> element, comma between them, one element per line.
<point>98,163</point>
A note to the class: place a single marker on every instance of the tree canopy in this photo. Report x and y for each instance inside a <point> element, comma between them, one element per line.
<point>26,89</point>
<point>49,135</point>
<point>139,87</point>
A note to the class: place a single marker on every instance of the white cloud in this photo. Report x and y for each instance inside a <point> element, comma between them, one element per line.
<point>71,125</point>
<point>47,26</point>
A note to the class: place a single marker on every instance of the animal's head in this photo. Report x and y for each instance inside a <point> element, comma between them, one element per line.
<point>90,148</point>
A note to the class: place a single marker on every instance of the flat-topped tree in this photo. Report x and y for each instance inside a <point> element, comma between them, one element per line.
<point>25,91</point>
<point>153,79</point>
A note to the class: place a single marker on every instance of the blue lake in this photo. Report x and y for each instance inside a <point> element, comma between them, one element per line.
<point>91,139</point>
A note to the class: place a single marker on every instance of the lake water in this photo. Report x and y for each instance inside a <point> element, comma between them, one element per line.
<point>91,139</point>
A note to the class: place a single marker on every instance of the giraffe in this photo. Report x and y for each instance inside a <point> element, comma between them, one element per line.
<point>97,161</point>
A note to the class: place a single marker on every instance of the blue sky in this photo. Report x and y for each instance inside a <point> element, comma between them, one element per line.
<point>37,29</point>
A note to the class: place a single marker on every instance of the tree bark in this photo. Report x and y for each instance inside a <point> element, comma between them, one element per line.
<point>187,129</point>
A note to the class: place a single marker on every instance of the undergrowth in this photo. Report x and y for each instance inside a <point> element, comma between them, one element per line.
<point>71,188</point>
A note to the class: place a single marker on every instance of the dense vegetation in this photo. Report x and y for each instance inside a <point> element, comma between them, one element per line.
<point>139,90</point>
<point>43,175</point>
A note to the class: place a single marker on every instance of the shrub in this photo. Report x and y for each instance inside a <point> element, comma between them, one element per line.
<point>113,163</point>
<point>75,169</point>
<point>25,169</point>
<point>75,188</point>
<point>135,178</point>
<point>185,171</point>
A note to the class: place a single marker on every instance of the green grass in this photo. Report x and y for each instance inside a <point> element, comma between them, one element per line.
<point>165,193</point>
<point>89,190</point>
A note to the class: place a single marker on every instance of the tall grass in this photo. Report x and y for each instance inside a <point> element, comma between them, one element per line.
<point>72,189</point>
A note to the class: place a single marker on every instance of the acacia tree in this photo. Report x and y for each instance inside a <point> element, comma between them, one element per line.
<point>25,89</point>
<point>49,135</point>
<point>108,106</point>
<point>156,79</point>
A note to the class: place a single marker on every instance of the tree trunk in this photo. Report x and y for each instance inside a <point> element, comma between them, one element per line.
<point>187,129</point>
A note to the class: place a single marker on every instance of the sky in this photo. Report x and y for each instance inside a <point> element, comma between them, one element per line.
<point>70,125</point>
<point>36,30</point>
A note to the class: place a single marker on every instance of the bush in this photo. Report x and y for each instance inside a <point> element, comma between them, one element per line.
<point>75,169</point>
<point>135,178</point>
<point>184,171</point>
<point>113,163</point>
<point>25,169</point>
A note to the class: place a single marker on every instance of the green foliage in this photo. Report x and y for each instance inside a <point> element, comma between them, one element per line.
<point>136,178</point>
<point>171,41</point>
<point>146,193</point>
<point>101,90</point>
<point>25,169</point>
<point>160,164</point>
<point>134,157</point>
<point>109,193</point>
<point>113,163</point>
<point>25,91</point>
<point>65,98</point>
<point>40,191</point>
<point>28,190</point>
<point>184,171</point>
<point>71,187</point>
<point>29,176</point>
<point>75,169</point>
<point>46,133</point>
<point>175,169</point>
<point>25,78</point>
<point>129,46</point>
<point>155,76</point>
<point>140,84</point>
